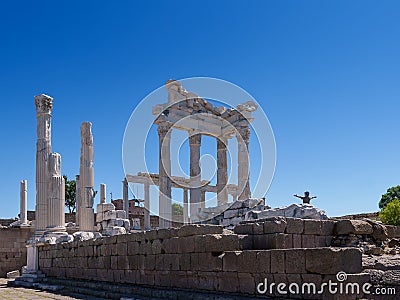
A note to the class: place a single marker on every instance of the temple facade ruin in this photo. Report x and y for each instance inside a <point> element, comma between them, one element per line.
<point>198,117</point>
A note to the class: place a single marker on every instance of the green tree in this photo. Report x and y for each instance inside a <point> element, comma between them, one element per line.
<point>177,209</point>
<point>391,194</point>
<point>390,214</point>
<point>70,194</point>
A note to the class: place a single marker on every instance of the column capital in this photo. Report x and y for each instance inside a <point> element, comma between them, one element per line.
<point>244,132</point>
<point>195,139</point>
<point>43,103</point>
<point>163,128</point>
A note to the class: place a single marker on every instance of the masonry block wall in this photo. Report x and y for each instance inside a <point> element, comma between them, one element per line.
<point>13,249</point>
<point>196,257</point>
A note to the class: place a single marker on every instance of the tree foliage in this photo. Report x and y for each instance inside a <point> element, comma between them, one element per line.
<point>391,194</point>
<point>177,209</point>
<point>390,214</point>
<point>70,194</point>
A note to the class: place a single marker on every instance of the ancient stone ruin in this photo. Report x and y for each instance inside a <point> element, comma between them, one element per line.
<point>235,250</point>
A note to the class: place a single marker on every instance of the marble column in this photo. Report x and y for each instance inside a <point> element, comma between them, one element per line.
<point>147,224</point>
<point>165,202</point>
<point>44,105</point>
<point>77,199</point>
<point>185,206</point>
<point>195,176</point>
<point>86,179</point>
<point>23,197</point>
<point>103,193</point>
<point>125,197</point>
<point>222,170</point>
<point>55,195</point>
<point>243,137</point>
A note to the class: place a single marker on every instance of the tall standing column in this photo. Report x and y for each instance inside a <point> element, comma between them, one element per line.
<point>165,202</point>
<point>125,197</point>
<point>86,179</point>
<point>77,199</point>
<point>195,176</point>
<point>103,193</point>
<point>222,171</point>
<point>243,137</point>
<point>55,195</point>
<point>147,224</point>
<point>23,197</point>
<point>185,206</point>
<point>44,105</point>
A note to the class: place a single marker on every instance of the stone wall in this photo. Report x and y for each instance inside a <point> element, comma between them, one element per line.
<point>286,233</point>
<point>13,249</point>
<point>198,257</point>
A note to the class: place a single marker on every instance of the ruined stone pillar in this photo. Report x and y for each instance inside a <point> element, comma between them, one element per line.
<point>147,224</point>
<point>243,137</point>
<point>222,171</point>
<point>203,199</point>
<point>185,206</point>
<point>77,199</point>
<point>103,193</point>
<point>195,176</point>
<point>23,196</point>
<point>125,197</point>
<point>55,195</point>
<point>165,202</point>
<point>86,179</point>
<point>44,105</point>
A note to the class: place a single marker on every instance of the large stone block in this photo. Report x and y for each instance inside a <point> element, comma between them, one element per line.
<point>228,282</point>
<point>277,261</point>
<point>295,261</point>
<point>333,260</point>
<point>294,225</point>
<point>246,228</point>
<point>104,207</point>
<point>312,227</point>
<point>345,227</point>
<point>308,241</point>
<point>275,225</point>
<point>221,242</point>
<point>199,229</point>
<point>230,261</point>
<point>246,283</point>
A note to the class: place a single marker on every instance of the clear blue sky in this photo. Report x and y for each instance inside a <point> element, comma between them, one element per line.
<point>325,72</point>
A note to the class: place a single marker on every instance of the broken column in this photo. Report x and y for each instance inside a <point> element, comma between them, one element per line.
<point>44,105</point>
<point>23,203</point>
<point>55,196</point>
<point>86,179</point>
<point>110,221</point>
<point>103,191</point>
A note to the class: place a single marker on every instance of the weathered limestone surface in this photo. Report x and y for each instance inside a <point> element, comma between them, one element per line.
<point>44,105</point>
<point>203,258</point>
<point>55,195</point>
<point>165,202</point>
<point>303,211</point>
<point>110,221</point>
<point>86,180</point>
<point>23,203</point>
